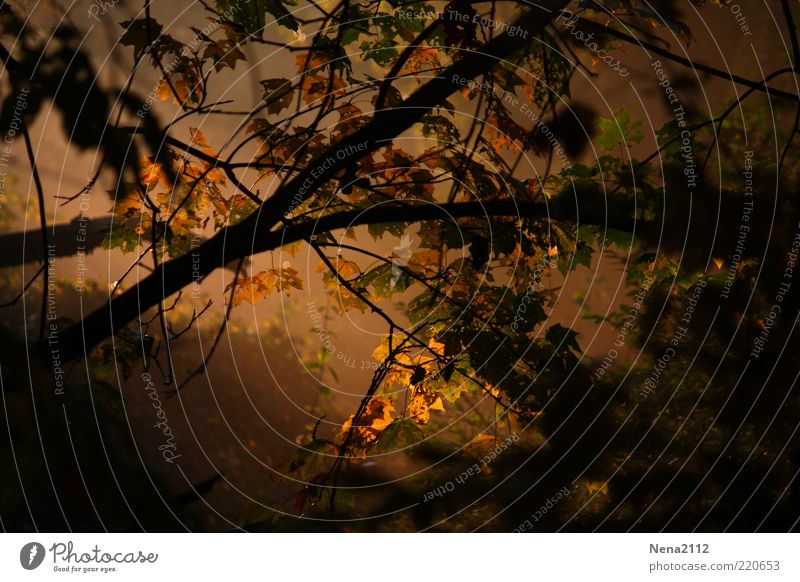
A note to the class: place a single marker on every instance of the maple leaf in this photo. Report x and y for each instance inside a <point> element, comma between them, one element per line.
<point>503,132</point>
<point>223,54</point>
<point>129,205</point>
<point>288,279</point>
<point>348,271</point>
<point>421,59</point>
<point>253,289</point>
<point>436,347</point>
<point>618,129</point>
<point>426,261</point>
<point>185,83</point>
<point>376,418</point>
<point>312,60</point>
<point>199,139</point>
<point>277,94</point>
<point>281,14</point>
<point>316,87</point>
<point>138,32</point>
<point>150,174</point>
<point>420,404</point>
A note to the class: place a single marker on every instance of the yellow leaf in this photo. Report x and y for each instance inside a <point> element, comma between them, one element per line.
<point>289,278</point>
<point>422,58</point>
<point>597,486</point>
<point>376,417</point>
<point>418,409</point>
<point>436,347</point>
<point>163,91</point>
<point>198,138</point>
<point>292,248</point>
<point>149,174</point>
<point>425,260</point>
<point>381,352</point>
<point>253,289</point>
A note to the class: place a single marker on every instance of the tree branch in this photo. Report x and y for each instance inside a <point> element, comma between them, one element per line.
<point>174,275</point>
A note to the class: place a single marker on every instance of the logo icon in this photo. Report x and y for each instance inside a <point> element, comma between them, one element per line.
<point>401,254</point>
<point>31,555</point>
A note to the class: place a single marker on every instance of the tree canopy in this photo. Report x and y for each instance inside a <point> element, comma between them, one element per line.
<point>446,168</point>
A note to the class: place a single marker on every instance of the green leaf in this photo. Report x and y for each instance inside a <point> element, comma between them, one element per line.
<point>310,458</point>
<point>121,238</point>
<point>381,52</point>
<point>398,435</point>
<point>618,129</point>
<point>281,14</point>
<point>249,14</point>
<point>385,280</point>
<point>441,127</point>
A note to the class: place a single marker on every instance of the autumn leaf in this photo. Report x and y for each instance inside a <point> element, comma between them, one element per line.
<point>421,59</point>
<point>317,87</point>
<point>152,174</point>
<point>277,94</point>
<point>224,53</point>
<point>503,132</point>
<point>425,261</point>
<point>594,487</point>
<point>349,272</point>
<point>420,404</point>
<point>436,347</point>
<point>376,418</point>
<point>309,61</point>
<point>255,288</point>
<point>184,81</point>
<point>288,279</point>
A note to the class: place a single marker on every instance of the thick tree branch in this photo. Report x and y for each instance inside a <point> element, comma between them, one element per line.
<point>68,238</point>
<point>170,277</point>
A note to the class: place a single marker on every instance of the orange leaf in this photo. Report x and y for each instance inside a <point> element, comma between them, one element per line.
<point>376,417</point>
<point>253,289</point>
